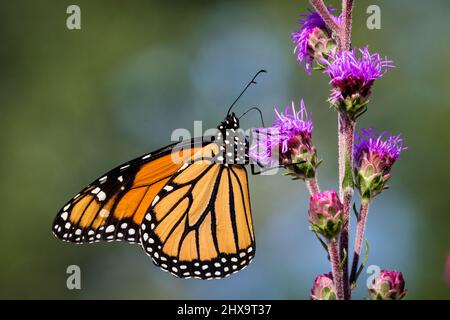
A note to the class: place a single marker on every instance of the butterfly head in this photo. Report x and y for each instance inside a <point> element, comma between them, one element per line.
<point>230,122</point>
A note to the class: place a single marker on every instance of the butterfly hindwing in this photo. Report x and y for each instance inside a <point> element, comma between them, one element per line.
<point>199,224</point>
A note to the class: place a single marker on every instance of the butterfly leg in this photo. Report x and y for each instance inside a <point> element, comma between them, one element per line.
<point>261,171</point>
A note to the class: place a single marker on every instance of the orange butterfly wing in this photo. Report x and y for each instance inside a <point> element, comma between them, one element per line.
<point>200,223</point>
<point>113,206</point>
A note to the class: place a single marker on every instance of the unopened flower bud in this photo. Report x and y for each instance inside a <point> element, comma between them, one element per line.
<point>323,288</point>
<point>389,285</point>
<point>326,214</point>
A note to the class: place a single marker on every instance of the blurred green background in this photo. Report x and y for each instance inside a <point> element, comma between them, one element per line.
<point>75,104</point>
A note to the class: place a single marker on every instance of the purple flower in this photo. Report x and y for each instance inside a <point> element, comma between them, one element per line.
<point>389,285</point>
<point>323,288</point>
<point>352,77</point>
<point>374,156</point>
<point>379,150</point>
<point>326,214</point>
<point>313,39</point>
<point>287,142</point>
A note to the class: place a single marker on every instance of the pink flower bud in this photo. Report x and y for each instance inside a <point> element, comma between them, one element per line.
<point>323,288</point>
<point>326,214</point>
<point>389,285</point>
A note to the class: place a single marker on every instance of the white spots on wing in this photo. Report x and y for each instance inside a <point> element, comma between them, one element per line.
<point>122,188</point>
<point>104,213</point>
<point>234,259</point>
<point>101,196</point>
<point>91,232</point>
<point>168,188</point>
<point>64,215</point>
<point>66,207</point>
<point>152,226</point>
<point>205,266</point>
<point>184,166</point>
<point>146,156</point>
<point>183,267</point>
<point>151,240</point>
<point>250,249</point>
<point>217,264</point>
<point>155,200</point>
<point>124,225</point>
<point>110,228</point>
<point>145,236</point>
<point>120,179</point>
<point>148,217</point>
<point>78,232</point>
<point>68,224</point>
<point>242,254</point>
<point>124,167</point>
<point>76,196</point>
<point>96,190</point>
<point>102,179</point>
<point>131,232</point>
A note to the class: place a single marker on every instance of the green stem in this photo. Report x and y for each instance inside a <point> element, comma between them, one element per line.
<point>338,280</point>
<point>359,238</point>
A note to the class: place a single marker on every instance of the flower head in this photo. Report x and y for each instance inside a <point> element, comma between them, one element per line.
<point>323,288</point>
<point>352,77</point>
<point>326,214</point>
<point>389,285</point>
<point>313,40</point>
<point>374,156</point>
<point>288,142</point>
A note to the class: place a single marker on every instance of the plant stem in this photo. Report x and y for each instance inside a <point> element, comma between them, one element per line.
<point>323,11</point>
<point>346,28</point>
<point>359,238</point>
<point>333,251</point>
<point>312,185</point>
<point>346,130</point>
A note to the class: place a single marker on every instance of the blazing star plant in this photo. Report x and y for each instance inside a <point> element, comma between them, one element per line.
<point>365,161</point>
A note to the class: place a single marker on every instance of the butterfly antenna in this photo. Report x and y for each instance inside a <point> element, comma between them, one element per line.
<point>260,114</point>
<point>246,87</point>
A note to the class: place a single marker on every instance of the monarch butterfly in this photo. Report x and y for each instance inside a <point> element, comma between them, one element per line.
<point>191,216</point>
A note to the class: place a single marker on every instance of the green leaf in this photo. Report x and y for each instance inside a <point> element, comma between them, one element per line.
<point>347,181</point>
<point>324,245</point>
<point>357,214</point>
<point>364,261</point>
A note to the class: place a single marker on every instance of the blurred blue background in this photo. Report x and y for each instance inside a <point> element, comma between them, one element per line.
<point>77,103</point>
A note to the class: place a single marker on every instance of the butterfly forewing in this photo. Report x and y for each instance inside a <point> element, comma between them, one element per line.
<point>112,207</point>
